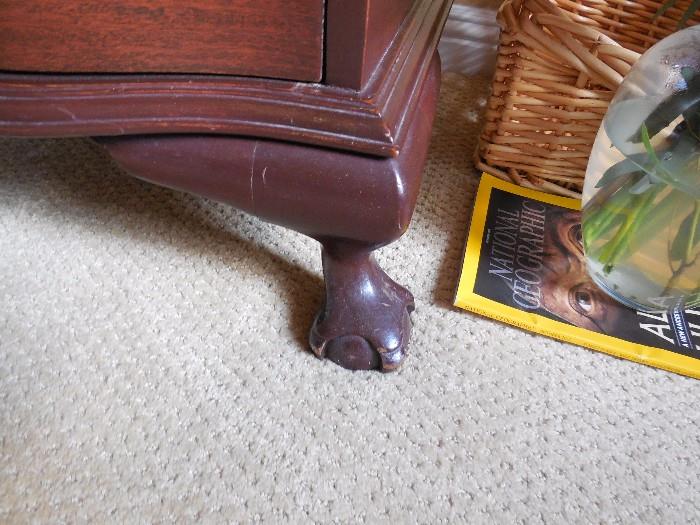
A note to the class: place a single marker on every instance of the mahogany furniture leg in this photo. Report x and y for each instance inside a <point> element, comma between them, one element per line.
<point>351,203</point>
<point>314,115</point>
<point>364,323</point>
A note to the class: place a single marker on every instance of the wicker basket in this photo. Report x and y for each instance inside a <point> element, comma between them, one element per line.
<point>559,64</point>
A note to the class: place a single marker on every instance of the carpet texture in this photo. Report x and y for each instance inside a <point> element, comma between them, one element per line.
<point>153,368</point>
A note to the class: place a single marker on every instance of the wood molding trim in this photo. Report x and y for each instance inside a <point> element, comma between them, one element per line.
<point>372,120</point>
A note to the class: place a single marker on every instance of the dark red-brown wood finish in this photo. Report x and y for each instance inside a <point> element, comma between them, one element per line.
<point>370,121</point>
<point>359,33</point>
<point>340,161</point>
<point>274,38</point>
<point>352,204</point>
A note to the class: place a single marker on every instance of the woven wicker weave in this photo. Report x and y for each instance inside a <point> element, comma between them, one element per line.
<point>559,64</point>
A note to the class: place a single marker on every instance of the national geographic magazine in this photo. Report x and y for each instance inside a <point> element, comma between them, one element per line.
<point>523,265</point>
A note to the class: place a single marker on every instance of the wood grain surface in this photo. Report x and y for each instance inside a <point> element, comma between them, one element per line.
<point>270,38</point>
<point>372,120</point>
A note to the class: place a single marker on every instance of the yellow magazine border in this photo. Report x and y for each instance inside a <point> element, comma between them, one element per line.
<point>468,300</point>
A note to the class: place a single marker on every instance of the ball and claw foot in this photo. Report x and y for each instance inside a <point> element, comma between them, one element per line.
<point>365,322</point>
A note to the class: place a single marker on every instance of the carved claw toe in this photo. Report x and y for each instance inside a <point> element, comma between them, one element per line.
<point>374,339</point>
<point>365,321</point>
<point>352,352</point>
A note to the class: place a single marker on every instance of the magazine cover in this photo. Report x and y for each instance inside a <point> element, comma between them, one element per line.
<point>524,265</point>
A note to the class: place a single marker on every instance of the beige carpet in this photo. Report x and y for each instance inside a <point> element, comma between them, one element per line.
<point>153,369</point>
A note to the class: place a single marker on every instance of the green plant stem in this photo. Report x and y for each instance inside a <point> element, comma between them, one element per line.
<point>606,209</point>
<point>693,231</point>
<point>616,248</point>
<point>603,218</point>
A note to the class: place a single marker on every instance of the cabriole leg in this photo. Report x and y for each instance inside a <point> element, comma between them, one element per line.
<point>364,322</point>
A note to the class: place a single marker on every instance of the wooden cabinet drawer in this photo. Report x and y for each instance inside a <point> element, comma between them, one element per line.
<point>268,38</point>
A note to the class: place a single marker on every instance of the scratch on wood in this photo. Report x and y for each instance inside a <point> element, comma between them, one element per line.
<point>67,112</point>
<point>252,175</point>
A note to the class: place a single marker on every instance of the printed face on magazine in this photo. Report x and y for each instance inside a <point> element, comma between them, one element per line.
<point>568,292</point>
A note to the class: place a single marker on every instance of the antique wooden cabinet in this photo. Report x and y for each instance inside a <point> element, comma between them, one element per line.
<point>312,114</point>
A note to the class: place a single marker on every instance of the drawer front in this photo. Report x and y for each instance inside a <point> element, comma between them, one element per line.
<point>267,38</point>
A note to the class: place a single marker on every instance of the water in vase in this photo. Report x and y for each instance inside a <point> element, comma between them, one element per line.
<point>641,215</point>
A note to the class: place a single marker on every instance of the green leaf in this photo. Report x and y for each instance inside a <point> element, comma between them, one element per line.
<point>686,237</point>
<point>629,165</point>
<point>646,140</point>
<point>679,164</point>
<point>669,109</point>
<point>642,186</point>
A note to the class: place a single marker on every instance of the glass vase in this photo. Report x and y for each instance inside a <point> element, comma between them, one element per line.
<point>641,198</point>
